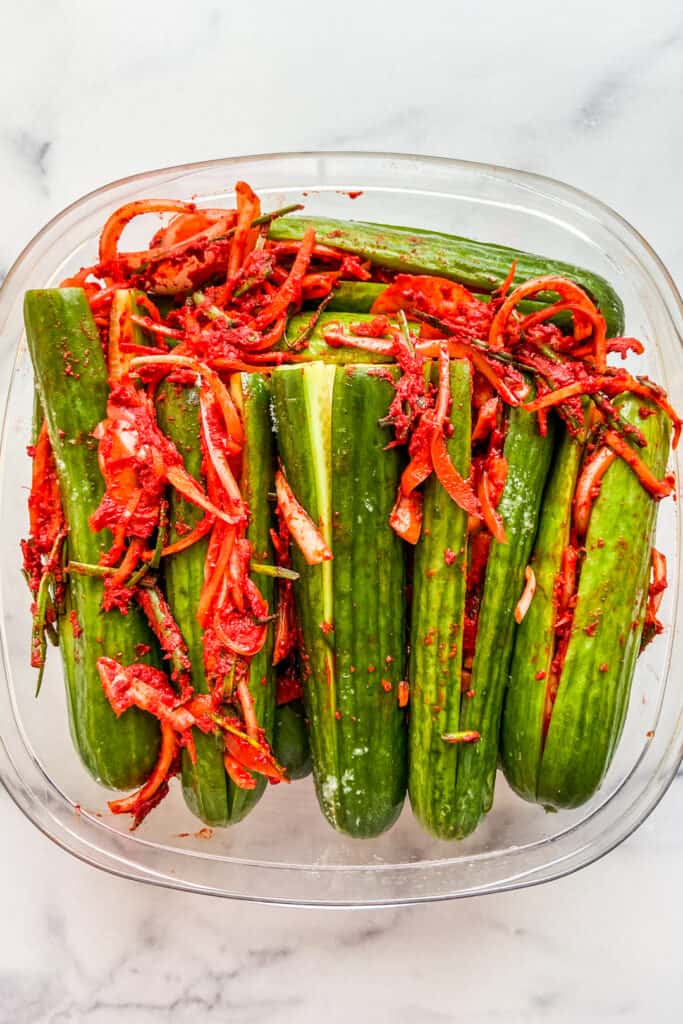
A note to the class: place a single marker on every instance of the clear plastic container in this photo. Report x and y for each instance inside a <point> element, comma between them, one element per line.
<point>285,852</point>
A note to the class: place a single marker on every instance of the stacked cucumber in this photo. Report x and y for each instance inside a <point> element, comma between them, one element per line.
<point>378,616</point>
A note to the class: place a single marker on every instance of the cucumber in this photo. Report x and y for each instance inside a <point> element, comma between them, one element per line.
<point>354,296</point>
<point>359,297</point>
<point>481,266</point>
<point>71,381</point>
<point>595,681</point>
<point>437,613</point>
<point>523,715</point>
<point>528,456</point>
<point>205,783</point>
<point>317,348</point>
<point>351,609</point>
<point>208,792</point>
<point>291,744</point>
<point>256,483</point>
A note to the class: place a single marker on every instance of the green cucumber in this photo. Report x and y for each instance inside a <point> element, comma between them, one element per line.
<point>360,296</point>
<point>317,348</point>
<point>528,456</point>
<point>595,681</point>
<point>523,715</point>
<point>205,784</point>
<point>291,744</point>
<point>437,616</point>
<point>351,609</point>
<point>71,381</point>
<point>256,484</point>
<point>208,792</point>
<point>480,266</point>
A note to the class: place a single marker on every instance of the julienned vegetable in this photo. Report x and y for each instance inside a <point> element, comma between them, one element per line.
<point>192,580</point>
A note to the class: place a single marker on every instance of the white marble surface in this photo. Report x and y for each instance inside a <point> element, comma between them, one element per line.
<point>584,91</point>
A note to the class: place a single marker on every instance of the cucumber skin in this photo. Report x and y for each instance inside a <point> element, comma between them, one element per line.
<point>369,606</point>
<point>590,706</point>
<point>481,266</point>
<point>118,753</point>
<point>208,791</point>
<point>316,346</point>
<point>291,744</point>
<point>359,766</point>
<point>528,455</point>
<point>359,297</point>
<point>295,421</point>
<point>354,296</point>
<point>205,783</point>
<point>258,473</point>
<point>523,713</point>
<point>437,614</point>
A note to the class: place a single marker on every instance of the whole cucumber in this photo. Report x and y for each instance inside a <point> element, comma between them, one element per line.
<point>205,784</point>
<point>437,617</point>
<point>71,380</point>
<point>481,266</point>
<point>208,791</point>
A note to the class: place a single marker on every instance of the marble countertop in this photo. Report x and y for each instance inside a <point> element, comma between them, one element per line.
<point>591,94</point>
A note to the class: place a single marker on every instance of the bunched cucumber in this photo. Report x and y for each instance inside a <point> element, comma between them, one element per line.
<point>71,380</point>
<point>437,614</point>
<point>480,266</point>
<point>594,685</point>
<point>351,609</point>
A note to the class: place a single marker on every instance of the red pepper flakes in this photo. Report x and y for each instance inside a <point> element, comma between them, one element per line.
<point>645,413</point>
<point>338,715</point>
<point>429,636</point>
<point>649,734</point>
<point>540,675</point>
<point>388,660</point>
<point>604,667</point>
<point>470,693</point>
<point>601,542</point>
<point>327,628</point>
<point>75,624</point>
<point>352,668</point>
<point>142,649</point>
<point>371,668</point>
<point>430,574</point>
<point>386,686</point>
<point>403,693</point>
<point>590,629</point>
<point>449,556</point>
